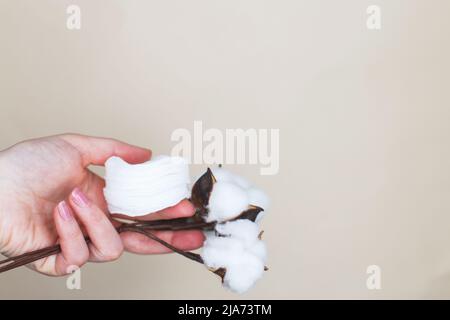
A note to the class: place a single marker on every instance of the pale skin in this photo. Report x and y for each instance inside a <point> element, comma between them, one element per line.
<point>49,196</point>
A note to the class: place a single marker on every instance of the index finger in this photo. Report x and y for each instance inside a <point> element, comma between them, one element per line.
<point>96,150</point>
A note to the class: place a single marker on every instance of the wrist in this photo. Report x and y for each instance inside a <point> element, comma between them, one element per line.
<point>3,200</point>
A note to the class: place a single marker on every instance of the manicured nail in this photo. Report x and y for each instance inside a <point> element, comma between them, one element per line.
<point>79,198</point>
<point>64,211</point>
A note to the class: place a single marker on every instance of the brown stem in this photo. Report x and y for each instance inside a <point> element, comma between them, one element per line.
<point>175,224</point>
<point>143,227</point>
<point>15,263</point>
<point>190,255</point>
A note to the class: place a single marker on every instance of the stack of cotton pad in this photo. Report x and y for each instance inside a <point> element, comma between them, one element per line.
<point>139,189</point>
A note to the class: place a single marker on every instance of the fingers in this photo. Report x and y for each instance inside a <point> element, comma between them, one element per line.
<point>106,244</point>
<point>184,208</point>
<point>184,240</point>
<point>92,187</point>
<point>96,150</point>
<point>74,250</point>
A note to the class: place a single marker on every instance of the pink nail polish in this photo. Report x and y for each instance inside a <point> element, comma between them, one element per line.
<point>64,211</point>
<point>79,198</point>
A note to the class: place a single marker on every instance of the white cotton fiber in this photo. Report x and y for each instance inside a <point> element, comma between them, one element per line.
<point>236,247</point>
<point>258,248</point>
<point>242,267</point>
<point>255,196</point>
<point>241,276</point>
<point>221,251</point>
<point>241,182</point>
<point>258,198</point>
<point>244,230</point>
<point>227,201</point>
<point>247,233</point>
<point>144,188</point>
<point>222,174</point>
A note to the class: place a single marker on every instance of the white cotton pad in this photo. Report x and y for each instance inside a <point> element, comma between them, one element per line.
<point>139,189</point>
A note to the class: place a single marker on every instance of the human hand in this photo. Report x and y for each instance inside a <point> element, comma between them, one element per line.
<point>48,196</point>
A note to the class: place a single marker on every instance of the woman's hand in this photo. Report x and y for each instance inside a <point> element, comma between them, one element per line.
<point>48,196</point>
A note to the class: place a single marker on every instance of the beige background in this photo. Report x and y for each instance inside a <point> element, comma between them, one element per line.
<point>363,115</point>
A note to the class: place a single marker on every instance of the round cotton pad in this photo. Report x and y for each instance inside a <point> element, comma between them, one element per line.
<point>139,189</point>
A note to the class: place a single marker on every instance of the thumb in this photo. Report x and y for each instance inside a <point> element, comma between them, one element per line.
<point>96,150</point>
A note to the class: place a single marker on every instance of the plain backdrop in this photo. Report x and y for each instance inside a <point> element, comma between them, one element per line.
<point>363,115</point>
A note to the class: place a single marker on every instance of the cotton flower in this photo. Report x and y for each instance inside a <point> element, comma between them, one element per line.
<point>231,195</point>
<point>220,252</point>
<point>242,276</point>
<point>243,230</point>
<point>242,268</point>
<point>259,249</point>
<point>222,174</point>
<point>258,198</point>
<point>237,249</point>
<point>234,250</point>
<point>227,200</point>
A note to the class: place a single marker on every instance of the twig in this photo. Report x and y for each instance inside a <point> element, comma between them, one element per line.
<point>190,255</point>
<point>143,227</point>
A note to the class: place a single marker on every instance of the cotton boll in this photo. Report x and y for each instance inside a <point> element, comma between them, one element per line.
<point>237,249</point>
<point>222,175</point>
<point>227,201</point>
<point>220,252</point>
<point>242,276</point>
<point>259,249</point>
<point>258,198</point>
<point>241,182</point>
<point>234,246</point>
<point>209,235</point>
<point>260,216</point>
<point>247,232</point>
<point>244,230</point>
<point>242,267</point>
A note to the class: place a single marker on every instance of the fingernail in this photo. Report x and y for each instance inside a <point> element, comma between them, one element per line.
<point>64,211</point>
<point>79,198</point>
